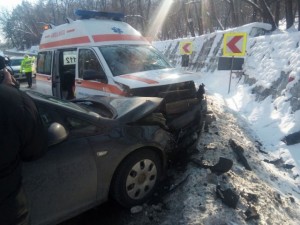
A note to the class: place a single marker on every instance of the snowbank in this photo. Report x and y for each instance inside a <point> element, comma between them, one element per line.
<point>266,93</point>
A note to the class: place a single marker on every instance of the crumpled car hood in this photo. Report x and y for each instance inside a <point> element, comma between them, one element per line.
<point>127,110</point>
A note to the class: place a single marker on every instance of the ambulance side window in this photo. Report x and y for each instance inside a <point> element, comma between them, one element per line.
<point>88,61</point>
<point>44,61</point>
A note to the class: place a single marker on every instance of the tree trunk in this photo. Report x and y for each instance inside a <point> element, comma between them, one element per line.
<point>298,15</point>
<point>277,13</point>
<point>189,21</point>
<point>234,19</point>
<point>289,13</point>
<point>267,15</point>
<point>214,15</point>
<point>254,15</point>
<point>140,11</point>
<point>199,19</point>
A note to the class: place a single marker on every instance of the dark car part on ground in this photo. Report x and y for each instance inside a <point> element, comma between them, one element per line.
<point>292,139</point>
<point>228,196</point>
<point>239,153</point>
<point>222,166</point>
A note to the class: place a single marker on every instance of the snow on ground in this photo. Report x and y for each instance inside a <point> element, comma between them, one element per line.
<point>269,190</point>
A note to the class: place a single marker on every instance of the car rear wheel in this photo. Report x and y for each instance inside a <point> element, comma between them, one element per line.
<point>136,178</point>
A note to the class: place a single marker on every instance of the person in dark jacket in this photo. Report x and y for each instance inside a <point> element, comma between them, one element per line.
<point>22,137</point>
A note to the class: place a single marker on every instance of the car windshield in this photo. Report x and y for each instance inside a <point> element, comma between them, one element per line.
<point>15,62</point>
<point>126,59</point>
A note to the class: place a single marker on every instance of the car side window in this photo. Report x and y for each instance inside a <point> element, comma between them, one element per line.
<point>80,128</point>
<point>87,60</point>
<point>75,127</point>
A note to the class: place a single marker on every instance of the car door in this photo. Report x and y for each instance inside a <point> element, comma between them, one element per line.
<point>44,72</point>
<point>88,61</point>
<point>56,75</point>
<point>64,70</point>
<point>64,181</point>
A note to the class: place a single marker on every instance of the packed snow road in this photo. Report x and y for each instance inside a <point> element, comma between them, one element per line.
<point>226,178</point>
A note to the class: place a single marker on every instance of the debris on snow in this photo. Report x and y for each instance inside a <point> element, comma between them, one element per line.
<point>228,196</point>
<point>223,165</point>
<point>279,163</point>
<point>292,139</point>
<point>239,154</point>
<point>251,213</point>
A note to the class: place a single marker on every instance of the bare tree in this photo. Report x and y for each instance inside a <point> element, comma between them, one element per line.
<point>188,18</point>
<point>289,13</point>
<point>277,13</point>
<point>234,17</point>
<point>298,15</point>
<point>214,15</point>
<point>23,26</point>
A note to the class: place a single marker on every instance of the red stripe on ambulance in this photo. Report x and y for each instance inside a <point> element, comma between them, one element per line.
<point>145,80</point>
<point>117,37</point>
<point>100,86</point>
<point>71,41</point>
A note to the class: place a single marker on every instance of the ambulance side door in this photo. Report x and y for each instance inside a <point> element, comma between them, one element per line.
<point>56,76</point>
<point>44,72</point>
<point>90,76</point>
<point>64,73</point>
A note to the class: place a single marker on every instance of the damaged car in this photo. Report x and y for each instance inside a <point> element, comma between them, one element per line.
<point>102,147</point>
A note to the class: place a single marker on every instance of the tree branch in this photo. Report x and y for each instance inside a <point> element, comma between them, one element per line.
<point>254,5</point>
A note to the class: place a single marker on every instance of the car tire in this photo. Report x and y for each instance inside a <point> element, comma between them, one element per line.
<point>136,178</point>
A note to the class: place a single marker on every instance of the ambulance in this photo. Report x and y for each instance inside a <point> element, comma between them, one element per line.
<point>99,54</point>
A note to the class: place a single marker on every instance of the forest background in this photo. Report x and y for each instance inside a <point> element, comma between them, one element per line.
<point>23,26</point>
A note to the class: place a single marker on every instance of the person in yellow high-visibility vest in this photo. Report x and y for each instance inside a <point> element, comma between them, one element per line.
<point>26,67</point>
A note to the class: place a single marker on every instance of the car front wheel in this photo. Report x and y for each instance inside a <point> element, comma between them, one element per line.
<point>136,178</point>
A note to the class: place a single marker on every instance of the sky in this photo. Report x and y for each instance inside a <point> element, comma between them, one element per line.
<point>9,5</point>
<point>12,3</point>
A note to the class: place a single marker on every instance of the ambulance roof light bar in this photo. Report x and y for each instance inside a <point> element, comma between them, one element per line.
<point>88,14</point>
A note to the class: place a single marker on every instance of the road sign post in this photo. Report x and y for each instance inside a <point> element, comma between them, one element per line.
<point>186,49</point>
<point>234,45</point>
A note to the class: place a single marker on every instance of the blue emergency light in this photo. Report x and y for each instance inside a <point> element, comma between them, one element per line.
<point>88,14</point>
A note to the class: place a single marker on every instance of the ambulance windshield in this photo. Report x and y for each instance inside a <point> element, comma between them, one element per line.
<point>126,59</point>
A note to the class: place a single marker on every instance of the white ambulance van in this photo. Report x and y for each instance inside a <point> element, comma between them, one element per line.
<point>98,54</point>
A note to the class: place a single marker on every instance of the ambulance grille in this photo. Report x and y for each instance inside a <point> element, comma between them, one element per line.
<point>170,92</point>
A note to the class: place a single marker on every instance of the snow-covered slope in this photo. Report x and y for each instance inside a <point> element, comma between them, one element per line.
<point>266,93</point>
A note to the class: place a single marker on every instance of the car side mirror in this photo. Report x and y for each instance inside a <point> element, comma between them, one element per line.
<point>93,75</point>
<point>56,134</point>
